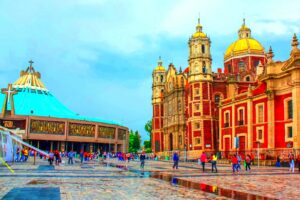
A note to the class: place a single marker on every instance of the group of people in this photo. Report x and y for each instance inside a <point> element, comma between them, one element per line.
<point>21,154</point>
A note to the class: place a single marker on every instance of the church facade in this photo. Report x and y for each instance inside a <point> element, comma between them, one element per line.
<point>251,103</point>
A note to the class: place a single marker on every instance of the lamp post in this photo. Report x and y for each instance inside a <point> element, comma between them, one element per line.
<point>258,144</point>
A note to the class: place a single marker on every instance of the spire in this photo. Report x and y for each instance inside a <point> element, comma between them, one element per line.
<point>270,55</point>
<point>159,62</point>
<point>180,70</point>
<point>295,42</point>
<point>244,31</point>
<point>199,27</point>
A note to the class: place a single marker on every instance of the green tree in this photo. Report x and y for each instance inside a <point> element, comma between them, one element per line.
<point>148,129</point>
<point>147,146</point>
<point>134,141</point>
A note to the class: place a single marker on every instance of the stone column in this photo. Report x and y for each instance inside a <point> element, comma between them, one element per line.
<point>296,107</point>
<point>51,145</point>
<point>271,122</point>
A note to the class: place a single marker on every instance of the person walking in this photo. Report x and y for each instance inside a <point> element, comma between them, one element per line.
<point>81,156</point>
<point>203,160</point>
<point>214,163</point>
<point>142,159</point>
<point>239,159</point>
<point>234,162</point>
<point>176,160</point>
<point>57,157</point>
<point>51,157</point>
<point>18,155</point>
<point>70,155</point>
<point>292,163</point>
<point>298,162</point>
<point>248,162</point>
<point>25,154</point>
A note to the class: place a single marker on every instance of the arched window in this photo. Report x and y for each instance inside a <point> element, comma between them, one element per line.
<point>217,99</point>
<point>161,78</point>
<point>248,78</point>
<point>203,48</point>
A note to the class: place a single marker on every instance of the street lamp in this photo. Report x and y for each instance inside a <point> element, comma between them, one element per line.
<point>258,144</point>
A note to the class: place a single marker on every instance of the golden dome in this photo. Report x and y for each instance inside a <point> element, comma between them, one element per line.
<point>199,34</point>
<point>245,44</point>
<point>242,46</point>
<point>160,68</point>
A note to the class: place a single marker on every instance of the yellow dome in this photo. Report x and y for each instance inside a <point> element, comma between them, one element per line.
<point>242,46</point>
<point>199,34</point>
<point>160,68</point>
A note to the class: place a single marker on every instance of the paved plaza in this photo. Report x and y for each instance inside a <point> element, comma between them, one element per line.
<point>111,179</point>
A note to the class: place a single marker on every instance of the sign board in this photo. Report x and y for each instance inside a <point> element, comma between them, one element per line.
<point>207,145</point>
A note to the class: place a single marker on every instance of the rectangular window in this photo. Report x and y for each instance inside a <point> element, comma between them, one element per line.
<point>197,92</point>
<point>290,132</point>
<point>197,125</point>
<point>197,141</point>
<point>157,145</point>
<point>260,114</point>
<point>241,114</point>
<point>197,107</point>
<point>290,109</point>
<point>226,120</point>
<point>259,134</point>
<point>180,140</point>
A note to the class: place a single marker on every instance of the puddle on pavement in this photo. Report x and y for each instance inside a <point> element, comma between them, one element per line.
<point>193,185</point>
<point>209,188</point>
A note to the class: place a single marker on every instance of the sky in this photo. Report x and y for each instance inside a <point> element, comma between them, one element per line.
<point>97,56</point>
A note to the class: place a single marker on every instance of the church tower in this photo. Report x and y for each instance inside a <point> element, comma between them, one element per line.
<point>200,120</point>
<point>158,84</point>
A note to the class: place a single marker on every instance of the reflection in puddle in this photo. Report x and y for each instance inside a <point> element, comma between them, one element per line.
<point>209,188</point>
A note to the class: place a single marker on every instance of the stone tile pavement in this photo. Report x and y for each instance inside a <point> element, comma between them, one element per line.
<point>93,180</point>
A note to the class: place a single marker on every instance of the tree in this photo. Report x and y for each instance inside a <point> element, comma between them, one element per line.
<point>148,129</point>
<point>147,146</point>
<point>134,141</point>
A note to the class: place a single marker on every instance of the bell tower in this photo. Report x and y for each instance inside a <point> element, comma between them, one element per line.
<point>199,56</point>
<point>158,84</point>
<point>200,119</point>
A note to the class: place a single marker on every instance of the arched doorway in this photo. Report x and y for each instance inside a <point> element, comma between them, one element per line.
<point>171,141</point>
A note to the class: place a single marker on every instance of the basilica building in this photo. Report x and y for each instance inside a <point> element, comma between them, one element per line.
<point>31,111</point>
<point>251,103</point>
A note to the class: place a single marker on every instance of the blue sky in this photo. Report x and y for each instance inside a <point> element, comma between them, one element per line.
<point>97,56</point>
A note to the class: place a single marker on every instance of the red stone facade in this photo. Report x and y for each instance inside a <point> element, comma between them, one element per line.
<point>254,99</point>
